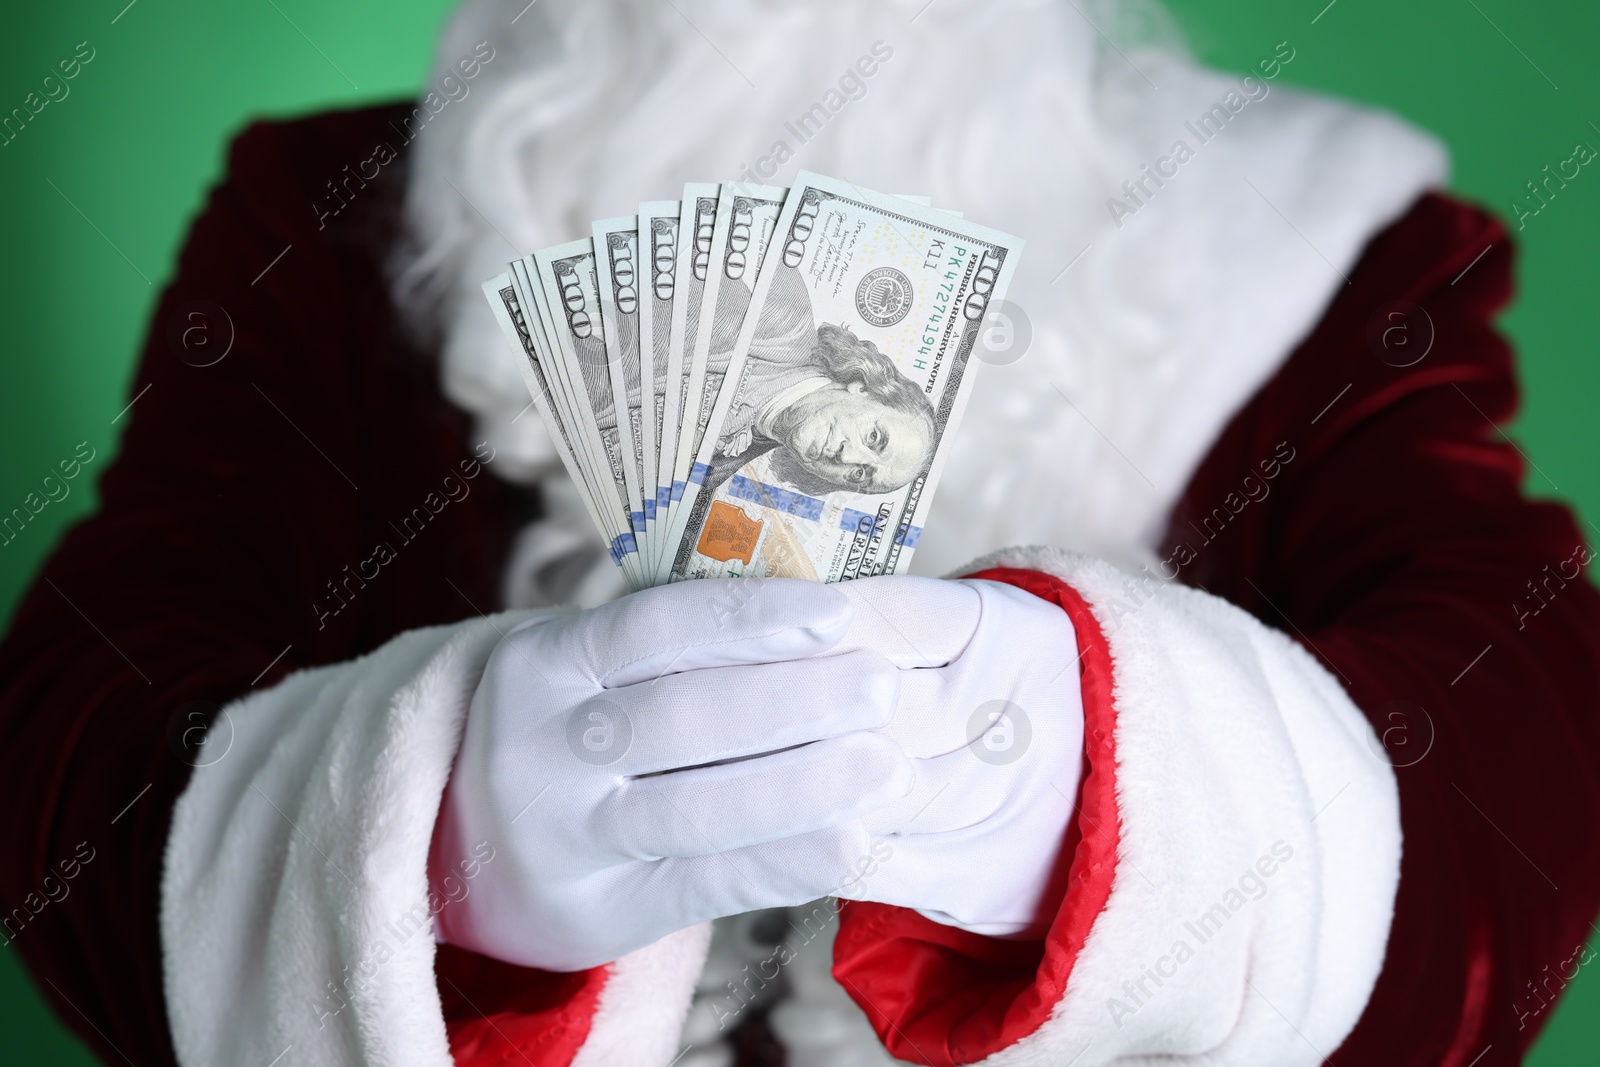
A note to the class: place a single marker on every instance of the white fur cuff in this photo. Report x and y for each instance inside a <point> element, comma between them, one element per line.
<point>295,909</point>
<point>1259,850</point>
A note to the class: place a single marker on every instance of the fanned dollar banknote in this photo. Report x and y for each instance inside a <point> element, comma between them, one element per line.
<point>757,381</point>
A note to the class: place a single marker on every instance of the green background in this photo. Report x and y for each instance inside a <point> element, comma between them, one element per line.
<point>99,189</point>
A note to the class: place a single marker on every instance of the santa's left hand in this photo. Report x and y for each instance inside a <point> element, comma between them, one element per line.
<point>991,715</point>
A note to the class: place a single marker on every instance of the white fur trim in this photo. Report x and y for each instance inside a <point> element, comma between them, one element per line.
<point>645,1002</point>
<point>300,849</point>
<point>298,857</point>
<point>1230,739</point>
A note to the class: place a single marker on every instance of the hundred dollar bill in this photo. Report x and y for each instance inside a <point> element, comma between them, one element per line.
<point>568,275</point>
<point>616,246</point>
<point>658,255</point>
<point>746,215</point>
<point>846,383</point>
<point>696,225</point>
<point>524,275</point>
<point>508,309</point>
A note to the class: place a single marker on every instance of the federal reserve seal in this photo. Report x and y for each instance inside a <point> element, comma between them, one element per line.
<point>884,296</point>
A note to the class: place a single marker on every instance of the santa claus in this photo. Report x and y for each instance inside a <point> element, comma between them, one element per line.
<point>329,739</point>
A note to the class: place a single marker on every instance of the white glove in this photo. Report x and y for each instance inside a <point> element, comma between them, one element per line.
<point>990,711</point>
<point>562,771</point>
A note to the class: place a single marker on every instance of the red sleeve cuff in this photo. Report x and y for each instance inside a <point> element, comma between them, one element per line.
<point>498,1014</point>
<point>941,996</point>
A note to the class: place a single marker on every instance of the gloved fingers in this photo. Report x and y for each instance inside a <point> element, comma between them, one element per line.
<point>930,718</point>
<point>949,792</point>
<point>984,704</point>
<point>778,874</point>
<point>907,872</point>
<point>985,879</point>
<point>695,625</point>
<point>911,621</point>
<point>1018,673</point>
<point>699,717</point>
<point>749,802</point>
<point>1033,630</point>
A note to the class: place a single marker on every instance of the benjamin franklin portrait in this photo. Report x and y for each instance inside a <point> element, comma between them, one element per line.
<point>834,412</point>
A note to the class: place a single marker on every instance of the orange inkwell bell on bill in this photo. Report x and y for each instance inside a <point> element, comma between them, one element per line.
<point>729,534</point>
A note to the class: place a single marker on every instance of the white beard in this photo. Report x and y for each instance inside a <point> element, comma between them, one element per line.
<point>1012,111</point>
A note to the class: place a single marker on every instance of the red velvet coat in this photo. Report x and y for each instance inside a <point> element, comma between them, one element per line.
<point>1398,547</point>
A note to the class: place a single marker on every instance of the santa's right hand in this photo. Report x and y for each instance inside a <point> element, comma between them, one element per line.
<point>684,753</point>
